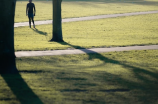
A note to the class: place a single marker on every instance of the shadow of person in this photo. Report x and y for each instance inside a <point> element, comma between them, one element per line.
<point>39,32</point>
<point>20,89</point>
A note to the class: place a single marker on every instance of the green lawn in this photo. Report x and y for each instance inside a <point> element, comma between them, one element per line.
<point>108,78</point>
<point>122,31</point>
<point>79,8</point>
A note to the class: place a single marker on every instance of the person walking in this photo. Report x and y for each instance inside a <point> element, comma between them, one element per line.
<point>30,11</point>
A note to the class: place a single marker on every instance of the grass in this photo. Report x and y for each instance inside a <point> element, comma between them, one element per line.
<point>113,78</point>
<point>112,32</point>
<point>79,8</point>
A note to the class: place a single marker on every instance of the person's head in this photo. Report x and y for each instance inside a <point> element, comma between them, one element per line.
<point>30,1</point>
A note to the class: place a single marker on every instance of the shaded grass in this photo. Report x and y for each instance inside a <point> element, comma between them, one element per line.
<point>79,8</point>
<point>115,78</point>
<point>122,31</point>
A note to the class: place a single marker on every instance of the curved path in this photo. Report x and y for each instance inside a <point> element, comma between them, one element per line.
<point>83,51</point>
<point>86,18</point>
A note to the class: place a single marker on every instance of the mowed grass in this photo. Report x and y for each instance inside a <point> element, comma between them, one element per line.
<point>114,78</point>
<point>80,8</point>
<point>112,32</point>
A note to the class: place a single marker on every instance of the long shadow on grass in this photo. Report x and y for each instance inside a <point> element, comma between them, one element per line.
<point>20,89</point>
<point>39,32</point>
<point>95,55</point>
<point>88,86</point>
<point>146,86</point>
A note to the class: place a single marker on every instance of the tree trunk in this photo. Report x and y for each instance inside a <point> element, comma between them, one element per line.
<point>7,55</point>
<point>57,21</point>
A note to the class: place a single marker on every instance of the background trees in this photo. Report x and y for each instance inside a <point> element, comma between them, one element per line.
<point>7,55</point>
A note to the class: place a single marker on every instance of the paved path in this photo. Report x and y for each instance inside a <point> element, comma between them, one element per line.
<point>85,18</point>
<point>83,51</point>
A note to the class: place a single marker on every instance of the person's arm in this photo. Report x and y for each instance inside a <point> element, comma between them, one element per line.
<point>26,10</point>
<point>34,10</point>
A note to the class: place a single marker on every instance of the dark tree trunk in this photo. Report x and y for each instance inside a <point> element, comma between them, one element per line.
<point>57,21</point>
<point>7,55</point>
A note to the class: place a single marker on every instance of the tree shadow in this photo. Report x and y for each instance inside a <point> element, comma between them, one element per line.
<point>20,89</point>
<point>137,71</point>
<point>73,46</point>
<point>77,80</point>
<point>110,90</point>
<point>40,32</point>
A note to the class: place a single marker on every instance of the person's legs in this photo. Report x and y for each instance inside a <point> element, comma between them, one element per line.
<point>33,22</point>
<point>29,16</point>
<point>30,22</point>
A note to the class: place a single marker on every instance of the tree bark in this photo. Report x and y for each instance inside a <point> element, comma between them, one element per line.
<point>57,21</point>
<point>7,55</point>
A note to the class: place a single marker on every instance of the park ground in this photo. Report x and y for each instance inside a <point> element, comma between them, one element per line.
<point>102,78</point>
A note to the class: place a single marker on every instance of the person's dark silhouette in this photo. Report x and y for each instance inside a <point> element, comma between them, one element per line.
<point>30,12</point>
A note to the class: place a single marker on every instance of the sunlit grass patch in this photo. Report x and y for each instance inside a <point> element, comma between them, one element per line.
<point>83,8</point>
<point>115,77</point>
<point>122,31</point>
